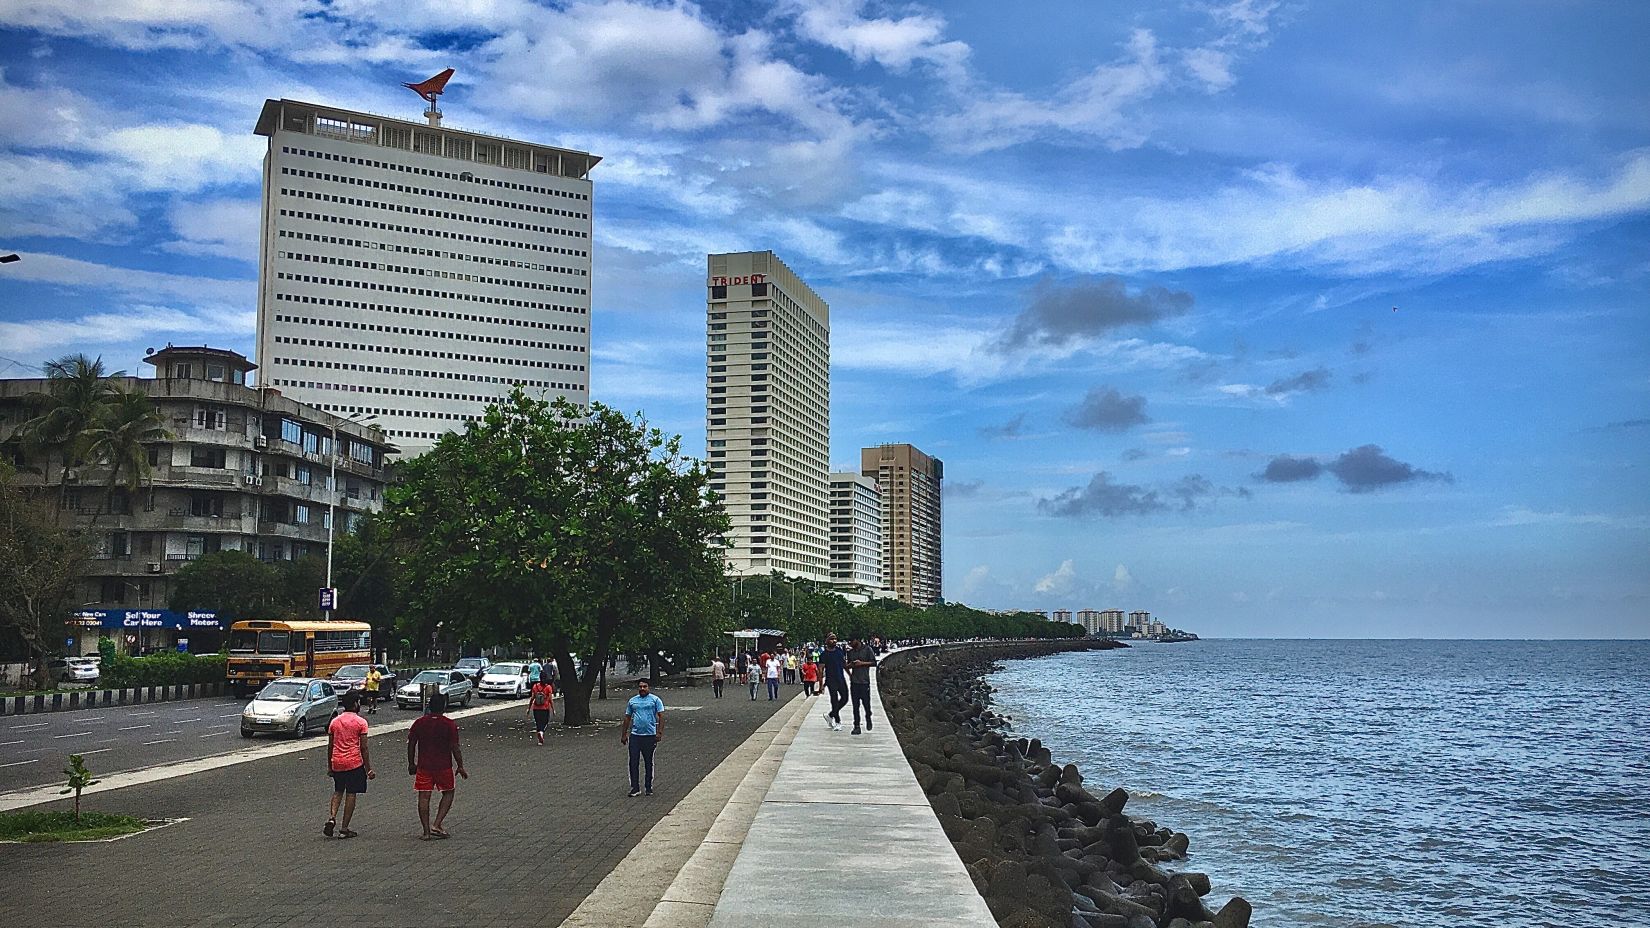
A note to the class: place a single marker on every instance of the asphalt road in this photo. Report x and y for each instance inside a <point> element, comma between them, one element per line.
<point>34,748</point>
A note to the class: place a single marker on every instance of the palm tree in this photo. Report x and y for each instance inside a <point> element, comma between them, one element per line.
<point>129,422</point>
<point>77,391</point>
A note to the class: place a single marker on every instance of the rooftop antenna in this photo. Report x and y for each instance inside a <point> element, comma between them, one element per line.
<point>429,90</point>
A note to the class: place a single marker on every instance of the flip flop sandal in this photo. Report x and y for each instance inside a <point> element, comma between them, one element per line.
<point>439,834</point>
<point>328,827</point>
<point>346,833</point>
<point>424,837</point>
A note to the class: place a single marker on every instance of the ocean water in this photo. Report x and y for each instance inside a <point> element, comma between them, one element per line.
<point>1373,783</point>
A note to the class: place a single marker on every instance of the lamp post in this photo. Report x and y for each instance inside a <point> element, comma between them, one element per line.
<point>332,494</point>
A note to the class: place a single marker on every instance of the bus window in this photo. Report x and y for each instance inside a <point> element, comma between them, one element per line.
<point>243,642</point>
<point>273,643</point>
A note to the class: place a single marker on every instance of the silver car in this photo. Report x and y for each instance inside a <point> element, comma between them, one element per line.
<point>290,705</point>
<point>454,684</point>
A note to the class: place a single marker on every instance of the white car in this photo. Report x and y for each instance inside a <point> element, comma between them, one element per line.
<point>504,680</point>
<point>74,669</point>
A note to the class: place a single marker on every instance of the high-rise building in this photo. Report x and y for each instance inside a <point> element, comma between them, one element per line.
<point>856,533</point>
<point>1062,615</point>
<point>1090,620</point>
<point>1111,621</point>
<point>416,272</point>
<point>911,519</point>
<point>1141,622</point>
<point>768,414</point>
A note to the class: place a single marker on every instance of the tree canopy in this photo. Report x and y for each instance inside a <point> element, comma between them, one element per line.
<point>578,530</point>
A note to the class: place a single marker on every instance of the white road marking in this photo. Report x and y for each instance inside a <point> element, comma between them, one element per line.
<point>95,718</point>
<point>35,725</point>
<point>230,715</point>
<point>5,743</point>
<point>134,727</point>
<point>136,714</point>
<point>74,734</point>
<point>185,721</point>
<point>161,741</point>
<point>19,763</point>
<point>98,751</point>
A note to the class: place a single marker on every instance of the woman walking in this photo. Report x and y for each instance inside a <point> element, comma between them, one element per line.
<point>542,703</point>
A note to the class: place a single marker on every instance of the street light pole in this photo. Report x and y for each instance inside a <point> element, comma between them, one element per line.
<point>332,497</point>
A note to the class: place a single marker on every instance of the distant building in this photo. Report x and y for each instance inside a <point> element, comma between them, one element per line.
<point>417,272</point>
<point>1090,620</point>
<point>1140,622</point>
<point>1111,622</point>
<point>912,558</point>
<point>856,533</point>
<point>768,414</point>
<point>1061,615</point>
<point>245,469</point>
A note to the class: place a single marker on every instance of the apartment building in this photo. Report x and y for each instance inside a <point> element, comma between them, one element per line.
<point>1090,620</point>
<point>1111,621</point>
<point>767,413</point>
<point>1061,615</point>
<point>244,469</point>
<point>416,272</point>
<point>856,533</point>
<point>911,515</point>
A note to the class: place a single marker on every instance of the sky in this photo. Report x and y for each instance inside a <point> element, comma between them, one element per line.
<point>1274,319</point>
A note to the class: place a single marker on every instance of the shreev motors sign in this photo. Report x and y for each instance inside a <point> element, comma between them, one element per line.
<point>146,618</point>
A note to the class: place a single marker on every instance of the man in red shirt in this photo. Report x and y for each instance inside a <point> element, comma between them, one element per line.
<point>432,749</point>
<point>347,763</point>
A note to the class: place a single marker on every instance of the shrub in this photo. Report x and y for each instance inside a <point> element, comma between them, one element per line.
<point>164,669</point>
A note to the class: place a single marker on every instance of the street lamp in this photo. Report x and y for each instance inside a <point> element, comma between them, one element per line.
<point>332,493</point>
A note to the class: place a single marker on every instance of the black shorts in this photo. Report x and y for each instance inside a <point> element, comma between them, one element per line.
<point>350,781</point>
<point>541,719</point>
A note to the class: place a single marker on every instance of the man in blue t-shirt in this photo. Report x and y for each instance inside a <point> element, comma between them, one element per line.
<point>641,733</point>
<point>834,662</point>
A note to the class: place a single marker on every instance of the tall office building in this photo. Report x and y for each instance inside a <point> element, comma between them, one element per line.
<point>911,516</point>
<point>416,273</point>
<point>856,533</point>
<point>767,414</point>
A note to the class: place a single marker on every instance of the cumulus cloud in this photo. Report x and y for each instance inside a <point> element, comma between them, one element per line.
<point>893,42</point>
<point>1363,469</point>
<point>975,578</point>
<point>1060,314</point>
<point>1013,428</point>
<point>962,488</point>
<point>1121,579</point>
<point>221,228</point>
<point>1102,497</point>
<point>1104,409</point>
<point>1061,581</point>
<point>1304,382</point>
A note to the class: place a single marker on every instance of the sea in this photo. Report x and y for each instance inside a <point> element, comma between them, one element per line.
<point>1418,784</point>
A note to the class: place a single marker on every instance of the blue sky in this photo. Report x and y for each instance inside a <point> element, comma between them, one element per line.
<point>1272,318</point>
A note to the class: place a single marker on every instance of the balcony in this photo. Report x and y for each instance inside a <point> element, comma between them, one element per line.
<point>314,531</point>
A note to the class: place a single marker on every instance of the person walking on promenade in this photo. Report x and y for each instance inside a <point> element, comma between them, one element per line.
<point>432,750</point>
<point>718,676</point>
<point>861,658</point>
<point>753,673</point>
<point>370,688</point>
<point>810,676</point>
<point>790,666</point>
<point>347,763</point>
<point>535,671</point>
<point>641,734</point>
<point>835,662</point>
<point>540,705</point>
<point>771,671</point>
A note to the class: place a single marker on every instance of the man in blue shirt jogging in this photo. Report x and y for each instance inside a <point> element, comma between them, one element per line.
<point>641,733</point>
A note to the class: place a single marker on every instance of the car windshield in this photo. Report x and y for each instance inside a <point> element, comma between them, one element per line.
<point>471,662</point>
<point>431,676</point>
<point>352,672</point>
<point>504,670</point>
<point>284,691</point>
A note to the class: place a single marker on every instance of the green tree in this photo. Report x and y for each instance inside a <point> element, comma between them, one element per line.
<point>126,425</point>
<point>74,404</point>
<point>233,584</point>
<point>297,587</point>
<point>367,573</point>
<point>39,563</point>
<point>572,528</point>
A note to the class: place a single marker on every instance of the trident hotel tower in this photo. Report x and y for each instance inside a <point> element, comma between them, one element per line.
<point>768,414</point>
<point>414,273</point>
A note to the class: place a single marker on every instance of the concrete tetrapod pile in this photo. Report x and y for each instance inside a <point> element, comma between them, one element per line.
<point>1042,850</point>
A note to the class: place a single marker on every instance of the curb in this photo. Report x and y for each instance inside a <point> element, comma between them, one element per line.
<point>70,700</point>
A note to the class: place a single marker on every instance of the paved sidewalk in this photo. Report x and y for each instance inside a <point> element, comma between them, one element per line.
<point>535,829</point>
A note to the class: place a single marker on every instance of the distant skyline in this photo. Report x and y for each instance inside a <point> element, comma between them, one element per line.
<point>1274,319</point>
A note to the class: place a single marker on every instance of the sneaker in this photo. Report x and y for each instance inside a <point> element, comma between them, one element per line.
<point>649,792</point>
<point>867,724</point>
<point>855,731</point>
<point>634,793</point>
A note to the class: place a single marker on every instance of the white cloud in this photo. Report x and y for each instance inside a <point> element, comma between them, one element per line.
<point>124,325</point>
<point>222,228</point>
<point>1121,579</point>
<point>1062,581</point>
<point>130,282</point>
<point>894,43</point>
<point>973,580</point>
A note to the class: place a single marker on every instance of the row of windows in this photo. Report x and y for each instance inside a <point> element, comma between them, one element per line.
<point>428,394</point>
<point>414,352</point>
<point>431,313</point>
<point>436,333</point>
<point>466,176</point>
<point>427,272</point>
<point>425,191</point>
<point>408,372</point>
<point>434,253</point>
<point>438,233</point>
<point>418,291</point>
<point>435,213</point>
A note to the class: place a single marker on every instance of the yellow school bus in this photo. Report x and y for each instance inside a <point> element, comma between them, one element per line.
<point>260,650</point>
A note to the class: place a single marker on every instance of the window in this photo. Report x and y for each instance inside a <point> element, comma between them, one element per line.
<point>718,293</point>
<point>208,418</point>
<point>759,289</point>
<point>291,431</point>
<point>206,504</point>
<point>180,371</point>
<point>200,456</point>
<point>300,514</point>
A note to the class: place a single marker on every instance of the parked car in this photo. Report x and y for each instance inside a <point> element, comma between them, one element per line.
<point>473,667</point>
<point>292,705</point>
<point>354,677</point>
<point>505,680</point>
<point>455,684</point>
<point>73,670</point>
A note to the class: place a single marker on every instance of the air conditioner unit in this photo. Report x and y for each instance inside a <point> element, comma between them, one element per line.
<point>154,567</point>
<point>261,443</point>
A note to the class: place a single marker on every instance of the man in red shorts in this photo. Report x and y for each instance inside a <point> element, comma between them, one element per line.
<point>432,750</point>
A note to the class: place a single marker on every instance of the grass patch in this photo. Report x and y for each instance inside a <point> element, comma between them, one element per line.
<point>33,827</point>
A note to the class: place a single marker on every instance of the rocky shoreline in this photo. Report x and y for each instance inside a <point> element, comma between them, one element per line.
<point>1043,851</point>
